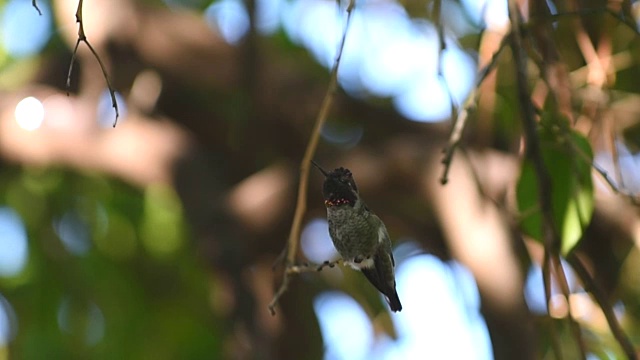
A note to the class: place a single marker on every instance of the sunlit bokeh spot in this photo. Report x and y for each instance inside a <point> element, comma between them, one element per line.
<point>441,313</point>
<point>13,243</point>
<point>534,291</point>
<point>162,228</point>
<point>493,13</point>
<point>458,21</point>
<point>316,25</point>
<point>387,54</point>
<point>230,18</point>
<point>268,15</point>
<point>458,70</point>
<point>8,322</point>
<point>23,32</point>
<point>84,320</point>
<point>73,231</point>
<point>346,329</point>
<point>427,99</point>
<point>107,113</point>
<point>397,50</point>
<point>316,243</point>
<point>29,113</point>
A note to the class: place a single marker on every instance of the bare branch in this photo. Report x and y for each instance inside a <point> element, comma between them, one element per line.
<point>33,3</point>
<point>301,204</point>
<point>83,38</point>
<point>461,118</point>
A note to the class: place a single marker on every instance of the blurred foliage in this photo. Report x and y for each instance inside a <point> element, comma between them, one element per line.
<point>567,156</point>
<point>137,292</point>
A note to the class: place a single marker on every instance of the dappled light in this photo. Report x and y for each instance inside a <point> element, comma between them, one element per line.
<point>162,231</point>
<point>230,18</point>
<point>315,242</point>
<point>14,248</point>
<point>8,324</point>
<point>441,320</point>
<point>387,55</point>
<point>345,135</point>
<point>23,33</point>
<point>197,227</point>
<point>73,232</point>
<point>345,328</point>
<point>260,199</point>
<point>86,319</point>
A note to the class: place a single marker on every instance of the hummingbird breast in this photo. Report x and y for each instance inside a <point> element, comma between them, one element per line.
<point>352,233</point>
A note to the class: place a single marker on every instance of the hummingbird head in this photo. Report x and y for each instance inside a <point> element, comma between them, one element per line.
<point>339,188</point>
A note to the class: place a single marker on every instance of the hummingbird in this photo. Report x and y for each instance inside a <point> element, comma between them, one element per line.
<point>358,234</point>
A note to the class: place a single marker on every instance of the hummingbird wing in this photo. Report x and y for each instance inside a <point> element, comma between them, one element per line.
<point>381,276</point>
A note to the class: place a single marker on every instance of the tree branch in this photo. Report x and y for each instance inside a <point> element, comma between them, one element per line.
<point>461,119</point>
<point>83,38</point>
<point>297,269</point>
<point>33,3</point>
<point>550,234</point>
<point>301,204</point>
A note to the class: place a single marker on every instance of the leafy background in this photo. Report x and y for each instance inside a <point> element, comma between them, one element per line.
<point>156,238</point>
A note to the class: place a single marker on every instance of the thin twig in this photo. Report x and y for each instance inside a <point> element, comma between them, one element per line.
<point>462,116</point>
<point>591,286</point>
<point>633,198</point>
<point>83,38</point>
<point>301,204</point>
<point>33,3</point>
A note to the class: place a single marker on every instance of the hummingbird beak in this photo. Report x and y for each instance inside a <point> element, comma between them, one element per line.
<point>319,168</point>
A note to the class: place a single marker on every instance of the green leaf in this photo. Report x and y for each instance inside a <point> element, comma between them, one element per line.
<point>567,157</point>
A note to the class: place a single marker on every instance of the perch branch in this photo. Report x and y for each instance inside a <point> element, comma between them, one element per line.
<point>83,38</point>
<point>297,269</point>
<point>301,204</point>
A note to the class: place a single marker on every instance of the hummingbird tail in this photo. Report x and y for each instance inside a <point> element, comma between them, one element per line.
<point>394,301</point>
<point>387,289</point>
